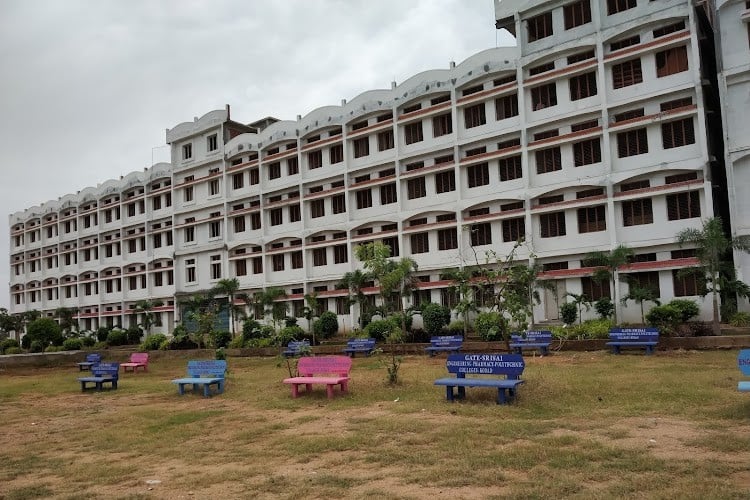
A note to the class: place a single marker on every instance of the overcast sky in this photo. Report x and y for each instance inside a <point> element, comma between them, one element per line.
<point>88,87</point>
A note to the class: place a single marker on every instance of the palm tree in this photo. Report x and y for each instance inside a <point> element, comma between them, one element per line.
<point>712,247</point>
<point>230,287</point>
<point>461,287</point>
<point>354,282</point>
<point>640,295</point>
<point>607,266</point>
<point>145,307</point>
<point>268,298</point>
<point>309,312</point>
<point>65,316</point>
<point>580,301</point>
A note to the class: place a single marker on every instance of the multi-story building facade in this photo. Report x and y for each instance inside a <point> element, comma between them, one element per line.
<point>594,131</point>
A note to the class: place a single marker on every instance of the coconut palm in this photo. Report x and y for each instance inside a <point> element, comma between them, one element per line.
<point>230,287</point>
<point>354,282</point>
<point>639,295</point>
<point>145,308</point>
<point>607,266</point>
<point>712,247</point>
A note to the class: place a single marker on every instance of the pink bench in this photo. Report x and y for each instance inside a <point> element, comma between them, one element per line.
<point>137,360</point>
<point>328,370</point>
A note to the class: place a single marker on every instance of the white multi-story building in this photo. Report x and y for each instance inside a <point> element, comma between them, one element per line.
<point>598,129</point>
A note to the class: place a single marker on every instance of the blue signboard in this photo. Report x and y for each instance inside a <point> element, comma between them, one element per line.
<point>743,361</point>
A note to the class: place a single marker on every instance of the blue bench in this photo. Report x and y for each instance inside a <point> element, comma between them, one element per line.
<point>633,337</point>
<point>203,372</point>
<point>92,359</point>
<point>509,365</point>
<point>365,346</point>
<point>448,343</point>
<point>743,362</point>
<point>296,348</point>
<point>540,339</point>
<point>101,373</point>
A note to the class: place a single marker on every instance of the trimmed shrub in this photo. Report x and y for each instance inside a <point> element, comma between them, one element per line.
<point>72,345</point>
<point>102,333</point>
<point>251,329</point>
<point>666,318</point>
<point>289,333</point>
<point>36,346</point>
<point>455,327</point>
<point>380,329</point>
<point>153,342</point>
<point>491,326</point>
<point>13,350</point>
<point>221,338</point>
<point>686,308</point>
<point>327,325</point>
<point>604,307</point>
<point>88,341</point>
<point>220,354</point>
<point>134,334</point>
<point>568,313</point>
<point>117,337</point>
<point>53,348</point>
<point>290,321</point>
<point>8,344</point>
<point>435,317</point>
<point>740,319</point>
<point>237,343</point>
<point>46,331</point>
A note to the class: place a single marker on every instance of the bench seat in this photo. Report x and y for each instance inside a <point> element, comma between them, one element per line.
<point>101,373</point>
<point>203,373</point>
<point>502,386</point>
<point>432,349</point>
<point>329,382</point>
<point>91,360</point>
<point>633,337</point>
<point>743,386</point>
<point>137,360</point>
<point>195,382</point>
<point>98,382</point>
<point>520,346</point>
<point>650,346</point>
<point>364,346</point>
<point>444,343</point>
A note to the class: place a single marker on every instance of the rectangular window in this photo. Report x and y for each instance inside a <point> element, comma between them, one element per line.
<point>340,254</point>
<point>672,28</point>
<point>594,290</point>
<point>683,205</point>
<point>388,194</point>
<point>336,154</point>
<point>624,42</point>
<point>475,116</point>
<point>216,267</point>
<point>187,151</point>
<point>506,107</point>
<point>385,140</point>
<point>544,96</point>
<point>190,271</point>
<point>295,214</point>
<point>615,6</point>
<point>416,188</point>
<point>481,234</point>
<point>413,133</point>
<point>255,220</point>
<point>277,217</point>
<point>442,125</point>
<point>189,234</point>
<point>582,86</point>
<point>240,267</point>
<point>627,73</point>
<point>577,14</point>
<point>671,61</point>
<point>637,212</point>
<point>587,152</point>
<point>317,209</point>
<point>292,166</point>
<point>214,229</point>
<point>591,219</point>
<point>239,224</point>
<point>319,257</point>
<point>478,175</point>
<point>515,229</point>
<point>552,224</point>
<point>510,168</point>
<point>361,147</point>
<point>686,177</point>
<point>548,160</point>
<point>339,203</point>
<point>632,143</point>
<point>647,281</point>
<point>420,243</point>
<point>212,142</point>
<point>257,265</point>
<point>296,258</point>
<point>238,181</point>
<point>686,284</point>
<point>277,262</point>
<point>539,26</point>
<point>254,176</point>
<point>677,133</point>
<point>447,239</point>
<point>445,182</point>
<point>274,170</point>
<point>364,198</point>
<point>314,159</point>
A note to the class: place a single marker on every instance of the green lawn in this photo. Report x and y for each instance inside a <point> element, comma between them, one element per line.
<point>585,425</point>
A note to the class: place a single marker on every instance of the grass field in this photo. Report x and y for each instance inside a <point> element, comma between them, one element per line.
<point>585,425</point>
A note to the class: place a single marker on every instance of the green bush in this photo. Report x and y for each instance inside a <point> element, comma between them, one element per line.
<point>435,317</point>
<point>251,329</point>
<point>221,338</point>
<point>88,341</point>
<point>666,318</point>
<point>491,326</point>
<point>36,346</point>
<point>455,327</point>
<point>740,319</point>
<point>380,329</point>
<point>568,313</point>
<point>117,337</point>
<point>327,325</point>
<point>102,333</point>
<point>152,342</point>
<point>290,321</point>
<point>220,354</point>
<point>72,344</point>
<point>13,350</point>
<point>686,308</point>
<point>590,329</point>
<point>134,334</point>
<point>8,344</point>
<point>604,307</point>
<point>237,343</point>
<point>53,348</point>
<point>46,331</point>
<point>289,333</point>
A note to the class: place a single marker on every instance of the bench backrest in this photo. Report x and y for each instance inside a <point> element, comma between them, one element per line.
<point>298,345</point>
<point>139,357</point>
<point>743,362</point>
<point>510,365</point>
<point>358,343</point>
<point>311,366</point>
<point>106,370</point>
<point>93,357</point>
<point>535,336</point>
<point>214,368</point>
<point>634,334</point>
<point>446,341</point>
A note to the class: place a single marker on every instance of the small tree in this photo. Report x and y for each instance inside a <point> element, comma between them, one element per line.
<point>354,282</point>
<point>640,295</point>
<point>581,302</point>
<point>568,313</point>
<point>604,307</point>
<point>327,325</point>
<point>435,317</point>
<point>44,331</point>
<point>607,267</point>
<point>145,309</point>
<point>229,288</point>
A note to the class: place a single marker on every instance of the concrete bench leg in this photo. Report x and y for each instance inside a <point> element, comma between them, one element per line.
<point>449,393</point>
<point>295,390</point>
<point>329,391</point>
